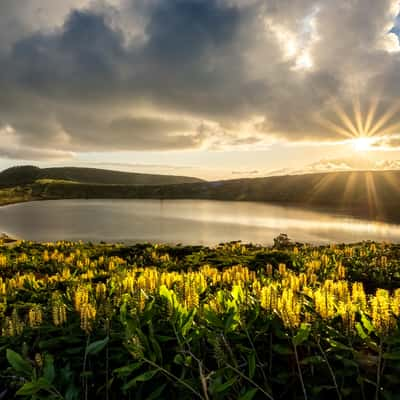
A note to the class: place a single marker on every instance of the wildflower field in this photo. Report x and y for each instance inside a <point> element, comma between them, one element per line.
<point>85,321</point>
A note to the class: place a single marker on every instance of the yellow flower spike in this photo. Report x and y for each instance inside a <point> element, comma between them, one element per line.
<point>382,318</point>
<point>35,317</point>
<point>282,269</point>
<point>268,297</point>
<point>3,261</point>
<point>358,295</point>
<point>341,271</point>
<point>87,315</point>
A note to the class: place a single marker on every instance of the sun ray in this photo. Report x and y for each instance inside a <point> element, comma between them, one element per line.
<point>350,184</point>
<point>374,205</point>
<point>370,115</point>
<point>385,118</point>
<point>391,129</point>
<point>345,119</point>
<point>358,115</point>
<point>390,178</point>
<point>334,127</point>
<point>323,182</point>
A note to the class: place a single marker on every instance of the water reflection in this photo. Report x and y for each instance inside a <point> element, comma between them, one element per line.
<point>183,221</point>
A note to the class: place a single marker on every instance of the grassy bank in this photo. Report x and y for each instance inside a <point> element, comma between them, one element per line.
<point>232,322</point>
<point>15,195</point>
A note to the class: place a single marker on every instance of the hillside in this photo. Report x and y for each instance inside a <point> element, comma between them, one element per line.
<point>26,175</point>
<point>373,194</point>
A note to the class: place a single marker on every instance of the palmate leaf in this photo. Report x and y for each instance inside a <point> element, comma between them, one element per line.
<point>18,363</point>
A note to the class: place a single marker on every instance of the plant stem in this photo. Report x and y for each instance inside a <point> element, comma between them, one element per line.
<point>85,387</point>
<point>299,371</point>
<point>378,370</point>
<point>330,369</point>
<point>257,358</point>
<point>107,358</point>
<point>250,381</point>
<point>170,375</point>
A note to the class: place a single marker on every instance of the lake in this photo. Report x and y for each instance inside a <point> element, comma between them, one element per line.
<point>183,221</point>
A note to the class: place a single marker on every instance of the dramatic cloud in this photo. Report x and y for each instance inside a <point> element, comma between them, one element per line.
<point>150,75</point>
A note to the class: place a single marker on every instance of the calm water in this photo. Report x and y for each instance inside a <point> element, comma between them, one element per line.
<point>183,221</point>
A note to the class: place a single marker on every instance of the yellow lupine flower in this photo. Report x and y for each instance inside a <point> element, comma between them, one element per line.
<point>35,317</point>
<point>382,319</point>
<point>87,315</point>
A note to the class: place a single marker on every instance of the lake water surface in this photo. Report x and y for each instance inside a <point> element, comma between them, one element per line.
<point>183,221</point>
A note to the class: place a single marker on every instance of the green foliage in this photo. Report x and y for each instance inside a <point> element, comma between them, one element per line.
<point>184,339</point>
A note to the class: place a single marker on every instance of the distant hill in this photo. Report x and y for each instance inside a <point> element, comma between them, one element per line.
<point>375,194</point>
<point>26,175</point>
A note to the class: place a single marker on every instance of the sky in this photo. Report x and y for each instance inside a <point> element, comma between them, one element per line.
<point>218,89</point>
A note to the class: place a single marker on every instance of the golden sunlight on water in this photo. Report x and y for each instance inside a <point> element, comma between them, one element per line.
<point>184,221</point>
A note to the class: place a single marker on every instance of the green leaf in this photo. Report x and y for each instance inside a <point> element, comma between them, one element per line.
<point>249,394</point>
<point>128,369</point>
<point>361,332</point>
<point>179,359</point>
<point>146,376</point>
<point>337,345</point>
<point>367,323</point>
<point>156,393</point>
<point>221,387</point>
<point>252,364</point>
<point>156,348</point>
<point>229,322</point>
<point>48,368</point>
<point>31,388</point>
<point>97,346</point>
<point>312,360</point>
<point>72,393</point>
<point>302,334</point>
<point>18,363</point>
<point>189,322</point>
<point>391,356</point>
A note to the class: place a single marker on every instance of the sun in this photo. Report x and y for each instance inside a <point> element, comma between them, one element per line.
<point>366,125</point>
<point>362,144</point>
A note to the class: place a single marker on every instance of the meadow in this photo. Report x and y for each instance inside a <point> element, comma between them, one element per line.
<point>236,321</point>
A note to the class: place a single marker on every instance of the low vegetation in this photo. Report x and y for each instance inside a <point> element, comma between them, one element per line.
<point>15,195</point>
<point>80,321</point>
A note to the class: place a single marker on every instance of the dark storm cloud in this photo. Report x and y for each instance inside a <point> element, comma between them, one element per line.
<point>149,75</point>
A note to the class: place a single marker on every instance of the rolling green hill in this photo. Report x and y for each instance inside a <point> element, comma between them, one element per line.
<point>26,175</point>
